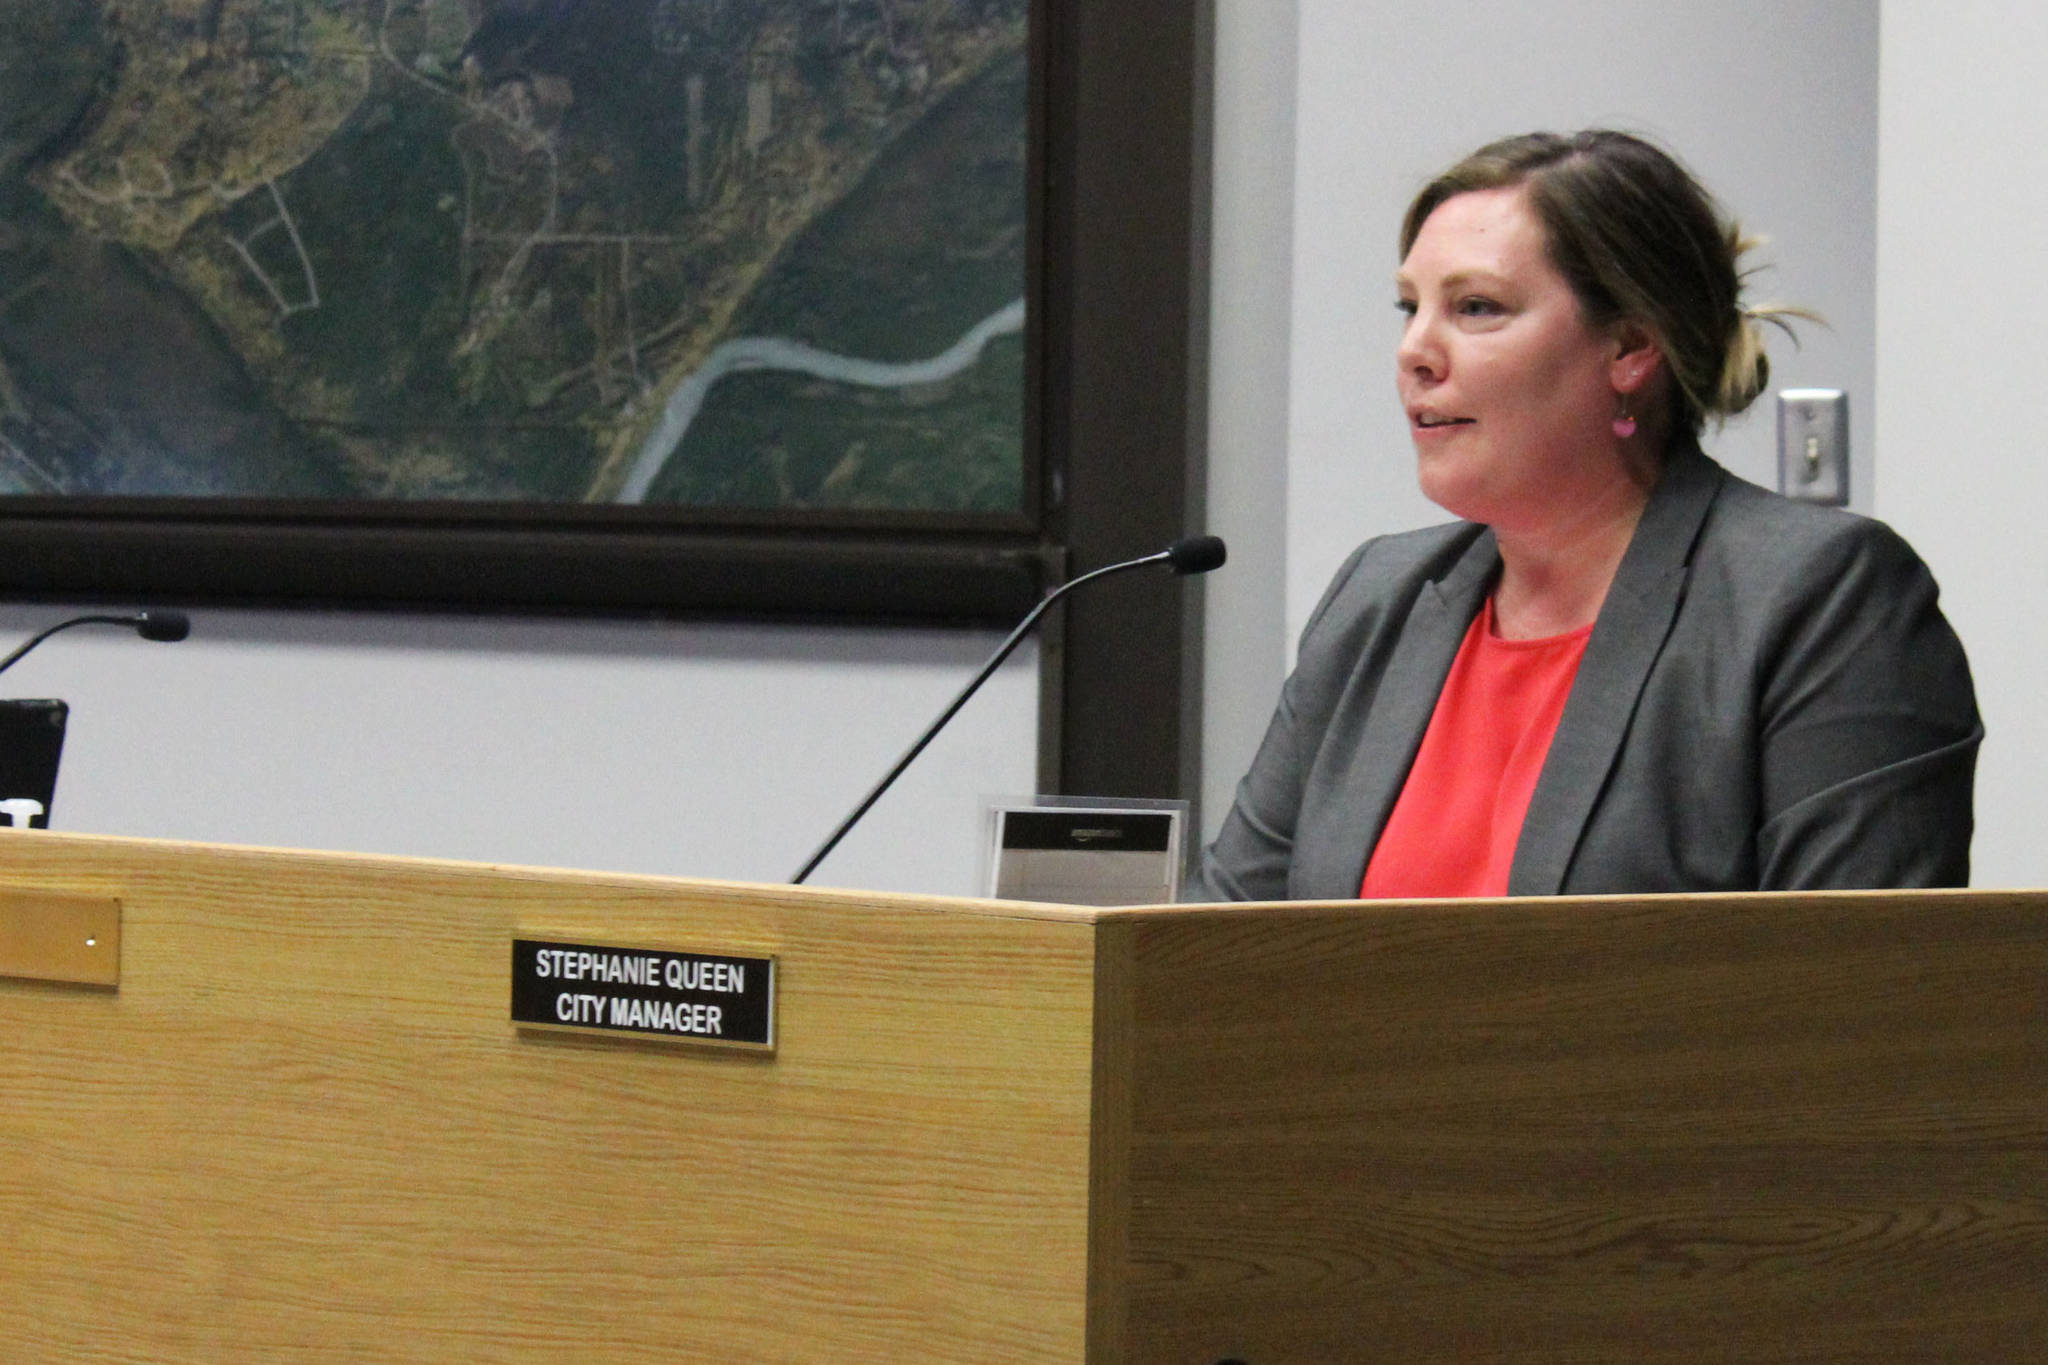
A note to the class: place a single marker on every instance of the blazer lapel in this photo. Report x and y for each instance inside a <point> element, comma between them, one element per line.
<point>1633,624</point>
<point>1389,730</point>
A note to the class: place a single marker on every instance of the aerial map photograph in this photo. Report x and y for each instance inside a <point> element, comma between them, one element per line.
<point>765,255</point>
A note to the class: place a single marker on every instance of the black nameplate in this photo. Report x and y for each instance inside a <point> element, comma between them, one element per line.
<point>1122,831</point>
<point>645,992</point>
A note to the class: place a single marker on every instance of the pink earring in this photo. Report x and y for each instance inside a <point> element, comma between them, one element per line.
<point>1624,425</point>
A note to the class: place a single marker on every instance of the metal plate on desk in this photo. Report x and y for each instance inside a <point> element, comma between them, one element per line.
<point>60,936</point>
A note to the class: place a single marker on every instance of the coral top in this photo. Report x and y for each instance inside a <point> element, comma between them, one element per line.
<point>1454,828</point>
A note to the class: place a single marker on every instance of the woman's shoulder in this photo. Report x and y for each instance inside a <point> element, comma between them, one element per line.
<point>1765,562</point>
<point>1426,552</point>
<point>1386,572</point>
<point>1764,533</point>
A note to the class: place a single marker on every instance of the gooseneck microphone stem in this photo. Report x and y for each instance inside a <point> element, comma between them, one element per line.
<point>1197,554</point>
<point>165,626</point>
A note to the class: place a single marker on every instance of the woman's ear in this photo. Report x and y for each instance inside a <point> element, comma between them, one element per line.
<point>1636,358</point>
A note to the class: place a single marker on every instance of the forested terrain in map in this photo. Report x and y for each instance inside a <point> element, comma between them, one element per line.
<point>723,253</point>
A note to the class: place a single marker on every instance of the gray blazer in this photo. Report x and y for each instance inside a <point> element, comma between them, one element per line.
<point>1770,699</point>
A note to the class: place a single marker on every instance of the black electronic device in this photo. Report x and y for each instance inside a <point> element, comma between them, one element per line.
<point>31,742</point>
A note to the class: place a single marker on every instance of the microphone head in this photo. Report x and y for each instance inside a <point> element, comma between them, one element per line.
<point>1196,554</point>
<point>164,626</point>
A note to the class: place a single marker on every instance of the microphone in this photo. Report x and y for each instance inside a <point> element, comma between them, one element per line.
<point>164,626</point>
<point>1196,554</point>
<point>1193,555</point>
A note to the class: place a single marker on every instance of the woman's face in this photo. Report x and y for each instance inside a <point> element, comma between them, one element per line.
<point>1509,392</point>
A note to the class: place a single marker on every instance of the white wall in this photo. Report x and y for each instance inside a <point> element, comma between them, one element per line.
<point>1250,300</point>
<point>1962,294</point>
<point>706,750</point>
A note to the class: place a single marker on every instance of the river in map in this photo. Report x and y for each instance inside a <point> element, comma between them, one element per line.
<point>781,353</point>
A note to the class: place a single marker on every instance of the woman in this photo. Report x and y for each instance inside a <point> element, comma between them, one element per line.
<point>1623,669</point>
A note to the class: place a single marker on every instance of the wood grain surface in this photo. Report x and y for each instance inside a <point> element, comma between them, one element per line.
<point>1671,1130</point>
<point>1775,1128</point>
<point>304,1129</point>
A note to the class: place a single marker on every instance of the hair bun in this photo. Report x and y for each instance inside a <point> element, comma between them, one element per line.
<point>1745,370</point>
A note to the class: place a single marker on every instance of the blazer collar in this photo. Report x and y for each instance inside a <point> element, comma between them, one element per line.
<point>1390,729</point>
<point>1627,637</point>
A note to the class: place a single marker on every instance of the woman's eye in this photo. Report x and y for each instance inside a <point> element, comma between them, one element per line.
<point>1406,307</point>
<point>1476,307</point>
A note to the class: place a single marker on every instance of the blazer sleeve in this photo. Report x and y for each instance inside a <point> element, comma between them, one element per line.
<point>1868,724</point>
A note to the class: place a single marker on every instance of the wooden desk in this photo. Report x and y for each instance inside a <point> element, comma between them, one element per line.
<point>302,1126</point>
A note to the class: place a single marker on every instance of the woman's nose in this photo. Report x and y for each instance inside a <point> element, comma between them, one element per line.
<point>1419,353</point>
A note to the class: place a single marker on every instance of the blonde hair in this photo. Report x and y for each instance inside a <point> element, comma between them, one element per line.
<point>1639,240</point>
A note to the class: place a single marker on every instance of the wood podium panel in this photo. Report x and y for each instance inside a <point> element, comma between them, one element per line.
<point>1663,1129</point>
<point>1667,1129</point>
<point>304,1128</point>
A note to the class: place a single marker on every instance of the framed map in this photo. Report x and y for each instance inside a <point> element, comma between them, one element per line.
<point>583,303</point>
